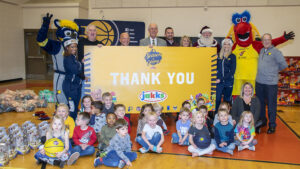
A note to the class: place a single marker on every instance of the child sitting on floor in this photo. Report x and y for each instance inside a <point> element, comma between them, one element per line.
<point>84,136</point>
<point>120,111</point>
<point>86,104</point>
<point>225,105</point>
<point>108,104</point>
<point>62,111</point>
<point>119,151</point>
<point>107,132</point>
<point>199,136</point>
<point>182,128</point>
<point>224,134</point>
<point>98,118</point>
<point>245,132</point>
<point>146,108</point>
<point>158,109</point>
<point>152,136</point>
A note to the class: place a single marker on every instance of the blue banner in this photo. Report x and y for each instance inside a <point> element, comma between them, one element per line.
<point>108,32</point>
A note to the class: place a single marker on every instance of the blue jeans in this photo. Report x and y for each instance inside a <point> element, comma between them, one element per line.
<point>88,151</point>
<point>112,159</point>
<point>175,138</point>
<point>267,94</point>
<point>154,140</point>
<point>224,149</point>
<point>225,90</point>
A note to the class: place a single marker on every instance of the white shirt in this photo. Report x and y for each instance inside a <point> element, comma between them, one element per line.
<point>150,131</point>
<point>155,41</point>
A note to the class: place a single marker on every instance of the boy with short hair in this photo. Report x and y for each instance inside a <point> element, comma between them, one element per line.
<point>108,104</point>
<point>84,136</point>
<point>182,128</point>
<point>120,111</point>
<point>119,151</point>
<point>224,133</point>
<point>98,116</point>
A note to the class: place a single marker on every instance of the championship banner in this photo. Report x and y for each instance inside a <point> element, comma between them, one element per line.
<point>108,32</point>
<point>164,75</point>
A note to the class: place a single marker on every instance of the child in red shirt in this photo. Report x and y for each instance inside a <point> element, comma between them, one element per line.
<point>120,111</point>
<point>84,136</point>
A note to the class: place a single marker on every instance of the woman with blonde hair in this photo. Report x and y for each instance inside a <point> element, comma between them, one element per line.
<point>226,64</point>
<point>185,41</point>
<point>247,102</point>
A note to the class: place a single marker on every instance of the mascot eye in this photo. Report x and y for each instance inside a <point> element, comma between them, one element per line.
<point>244,19</point>
<point>238,20</point>
<point>68,33</point>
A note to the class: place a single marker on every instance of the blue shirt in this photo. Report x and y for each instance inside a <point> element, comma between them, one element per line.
<point>183,127</point>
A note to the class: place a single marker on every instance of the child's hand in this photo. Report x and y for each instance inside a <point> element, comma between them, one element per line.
<point>180,141</point>
<point>59,154</point>
<point>83,146</point>
<point>129,164</point>
<point>221,145</point>
<point>42,151</point>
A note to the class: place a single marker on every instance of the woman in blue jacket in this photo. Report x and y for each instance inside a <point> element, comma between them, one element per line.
<point>226,64</point>
<point>73,72</point>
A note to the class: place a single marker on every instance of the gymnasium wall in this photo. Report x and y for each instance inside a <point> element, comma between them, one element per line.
<point>12,59</point>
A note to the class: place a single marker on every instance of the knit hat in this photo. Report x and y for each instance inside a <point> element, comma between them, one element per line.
<point>206,29</point>
<point>228,41</point>
<point>68,42</point>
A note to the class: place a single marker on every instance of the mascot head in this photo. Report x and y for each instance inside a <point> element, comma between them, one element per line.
<point>66,30</point>
<point>242,28</point>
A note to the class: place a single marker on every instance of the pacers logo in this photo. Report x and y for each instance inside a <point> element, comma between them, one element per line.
<point>107,32</point>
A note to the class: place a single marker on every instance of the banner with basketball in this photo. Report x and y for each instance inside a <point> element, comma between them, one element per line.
<point>108,32</point>
<point>140,75</point>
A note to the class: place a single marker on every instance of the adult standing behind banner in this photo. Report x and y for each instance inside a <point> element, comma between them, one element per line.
<point>270,62</point>
<point>91,32</point>
<point>206,39</point>
<point>72,83</point>
<point>185,41</point>
<point>169,37</point>
<point>153,40</point>
<point>124,39</point>
<point>226,64</point>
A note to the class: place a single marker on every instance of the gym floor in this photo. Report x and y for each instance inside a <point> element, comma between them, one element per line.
<point>279,150</point>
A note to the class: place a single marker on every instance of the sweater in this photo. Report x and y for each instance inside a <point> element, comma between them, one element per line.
<point>238,108</point>
<point>120,145</point>
<point>87,136</point>
<point>107,134</point>
<point>224,133</point>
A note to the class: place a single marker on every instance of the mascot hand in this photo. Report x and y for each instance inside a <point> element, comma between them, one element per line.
<point>47,19</point>
<point>289,36</point>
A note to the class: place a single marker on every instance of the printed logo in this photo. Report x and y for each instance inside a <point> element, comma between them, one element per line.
<point>55,142</point>
<point>168,107</point>
<point>153,58</point>
<point>175,107</point>
<point>138,108</point>
<point>153,96</point>
<point>130,108</point>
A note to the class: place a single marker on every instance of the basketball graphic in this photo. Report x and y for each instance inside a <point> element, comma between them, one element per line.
<point>107,33</point>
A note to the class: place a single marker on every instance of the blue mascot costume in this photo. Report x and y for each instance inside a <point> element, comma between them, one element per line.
<point>66,30</point>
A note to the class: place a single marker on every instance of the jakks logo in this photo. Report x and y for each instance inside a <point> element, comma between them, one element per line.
<point>152,96</point>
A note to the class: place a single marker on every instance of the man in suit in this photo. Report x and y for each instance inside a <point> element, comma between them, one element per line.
<point>153,40</point>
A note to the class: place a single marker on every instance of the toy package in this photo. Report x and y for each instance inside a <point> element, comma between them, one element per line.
<point>20,101</point>
<point>282,97</point>
<point>4,159</point>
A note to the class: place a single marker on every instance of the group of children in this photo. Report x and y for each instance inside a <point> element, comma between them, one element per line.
<point>108,124</point>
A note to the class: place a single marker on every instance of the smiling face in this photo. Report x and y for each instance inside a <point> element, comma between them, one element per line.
<point>124,39</point>
<point>62,112</point>
<point>184,116</point>
<point>248,90</point>
<point>72,49</point>
<point>169,34</point>
<point>57,125</point>
<point>187,106</point>
<point>267,41</point>
<point>186,42</point>
<point>153,30</point>
<point>226,46</point>
<point>87,102</point>
<point>206,34</point>
<point>111,119</point>
<point>120,112</point>
<point>199,119</point>
<point>147,110</point>
<point>247,118</point>
<point>107,101</point>
<point>223,116</point>
<point>151,120</point>
<point>243,34</point>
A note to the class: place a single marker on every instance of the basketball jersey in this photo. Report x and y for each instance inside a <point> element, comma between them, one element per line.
<point>246,62</point>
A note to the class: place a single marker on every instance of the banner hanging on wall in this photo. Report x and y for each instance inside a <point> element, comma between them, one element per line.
<point>108,32</point>
<point>140,75</point>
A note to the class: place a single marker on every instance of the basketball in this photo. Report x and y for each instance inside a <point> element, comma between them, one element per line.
<point>53,146</point>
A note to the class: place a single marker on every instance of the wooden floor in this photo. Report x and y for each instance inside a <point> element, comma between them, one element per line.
<point>177,157</point>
